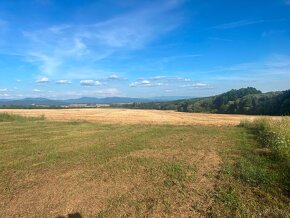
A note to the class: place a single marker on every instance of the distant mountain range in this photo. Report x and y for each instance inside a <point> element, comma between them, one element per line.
<point>26,102</point>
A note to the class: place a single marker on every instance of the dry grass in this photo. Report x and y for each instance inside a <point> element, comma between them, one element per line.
<point>52,169</point>
<point>49,169</point>
<point>130,116</point>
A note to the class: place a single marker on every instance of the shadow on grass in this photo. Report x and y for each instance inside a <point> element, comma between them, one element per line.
<point>71,215</point>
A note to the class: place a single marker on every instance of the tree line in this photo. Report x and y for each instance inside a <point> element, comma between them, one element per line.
<point>242,101</point>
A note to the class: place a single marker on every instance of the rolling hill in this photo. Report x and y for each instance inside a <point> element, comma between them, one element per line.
<point>242,101</point>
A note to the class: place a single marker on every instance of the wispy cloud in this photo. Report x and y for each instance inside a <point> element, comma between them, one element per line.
<point>90,83</point>
<point>197,86</point>
<point>287,2</point>
<point>63,81</point>
<point>115,77</point>
<point>36,90</point>
<point>278,61</point>
<point>47,64</point>
<point>177,57</point>
<point>5,95</point>
<point>53,47</point>
<point>274,65</point>
<point>237,24</point>
<point>135,29</point>
<point>143,83</point>
<point>159,81</point>
<point>43,80</point>
<point>170,78</point>
<point>3,90</point>
<point>146,83</point>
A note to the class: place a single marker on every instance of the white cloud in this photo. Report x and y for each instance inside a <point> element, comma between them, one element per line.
<point>170,78</point>
<point>90,83</point>
<point>4,95</point>
<point>115,77</point>
<point>63,81</point>
<point>144,83</point>
<point>43,80</point>
<point>196,86</point>
<point>3,90</point>
<point>36,90</point>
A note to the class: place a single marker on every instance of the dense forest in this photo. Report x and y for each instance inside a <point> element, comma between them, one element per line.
<point>242,101</point>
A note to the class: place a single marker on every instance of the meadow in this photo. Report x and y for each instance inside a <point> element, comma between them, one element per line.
<point>53,168</point>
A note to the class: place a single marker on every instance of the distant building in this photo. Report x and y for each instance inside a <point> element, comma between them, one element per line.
<point>102,105</point>
<point>78,105</point>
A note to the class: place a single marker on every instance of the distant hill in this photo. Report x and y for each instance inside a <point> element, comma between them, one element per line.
<point>242,101</point>
<point>108,100</point>
<point>28,102</point>
<point>170,98</point>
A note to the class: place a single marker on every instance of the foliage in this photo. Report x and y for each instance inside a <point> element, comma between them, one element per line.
<point>252,179</point>
<point>6,117</point>
<point>243,101</point>
<point>273,134</point>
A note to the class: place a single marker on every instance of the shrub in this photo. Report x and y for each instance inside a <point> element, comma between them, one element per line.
<point>274,134</point>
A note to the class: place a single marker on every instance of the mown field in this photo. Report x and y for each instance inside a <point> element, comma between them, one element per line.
<point>57,169</point>
<point>131,116</point>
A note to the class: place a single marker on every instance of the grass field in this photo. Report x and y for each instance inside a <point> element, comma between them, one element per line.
<point>130,116</point>
<point>55,168</point>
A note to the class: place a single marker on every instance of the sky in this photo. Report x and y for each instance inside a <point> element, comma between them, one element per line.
<point>63,49</point>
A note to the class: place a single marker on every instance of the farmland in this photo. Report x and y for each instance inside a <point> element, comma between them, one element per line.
<point>124,164</point>
<point>130,116</point>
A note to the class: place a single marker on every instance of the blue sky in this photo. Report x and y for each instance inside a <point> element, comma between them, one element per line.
<point>69,49</point>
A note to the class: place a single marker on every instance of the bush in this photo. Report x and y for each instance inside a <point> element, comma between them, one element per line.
<point>274,134</point>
